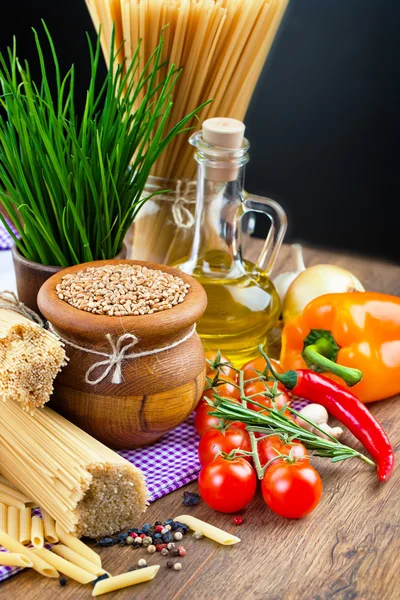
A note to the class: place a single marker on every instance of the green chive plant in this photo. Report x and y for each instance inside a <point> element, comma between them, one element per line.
<point>73,186</point>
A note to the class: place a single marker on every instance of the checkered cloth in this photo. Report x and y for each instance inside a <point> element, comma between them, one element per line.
<point>6,241</point>
<point>167,465</point>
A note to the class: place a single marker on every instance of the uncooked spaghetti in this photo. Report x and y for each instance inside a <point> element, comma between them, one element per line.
<point>221,45</point>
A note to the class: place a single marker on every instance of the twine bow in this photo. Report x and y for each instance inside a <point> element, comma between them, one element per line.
<point>9,301</point>
<point>182,216</point>
<point>113,360</point>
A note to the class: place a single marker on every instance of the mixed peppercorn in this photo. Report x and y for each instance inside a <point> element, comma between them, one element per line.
<point>160,537</point>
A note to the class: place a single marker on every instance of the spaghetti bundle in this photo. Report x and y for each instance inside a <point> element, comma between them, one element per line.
<point>30,358</point>
<point>221,45</point>
<point>86,487</point>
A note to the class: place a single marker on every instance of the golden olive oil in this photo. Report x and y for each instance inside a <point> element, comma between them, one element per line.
<point>239,314</point>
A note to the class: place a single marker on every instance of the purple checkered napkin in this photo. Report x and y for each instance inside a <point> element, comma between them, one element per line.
<point>6,241</point>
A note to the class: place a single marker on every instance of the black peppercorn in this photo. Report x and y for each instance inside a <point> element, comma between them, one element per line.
<point>63,581</point>
<point>170,564</point>
<point>108,541</point>
<point>157,523</point>
<point>167,537</point>
<point>100,578</point>
<point>190,498</point>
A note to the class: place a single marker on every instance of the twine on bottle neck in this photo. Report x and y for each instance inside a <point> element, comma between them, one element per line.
<point>10,301</point>
<point>183,218</point>
<point>114,359</point>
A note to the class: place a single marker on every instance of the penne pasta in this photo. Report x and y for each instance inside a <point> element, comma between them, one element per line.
<point>3,517</point>
<point>77,546</point>
<point>40,565</point>
<point>125,580</point>
<point>78,559</point>
<point>13,559</point>
<point>64,566</point>
<point>213,533</point>
<point>13,522</point>
<point>25,526</point>
<point>49,525</point>
<point>37,532</point>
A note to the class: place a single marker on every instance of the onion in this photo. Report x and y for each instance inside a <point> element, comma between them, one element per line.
<point>316,281</point>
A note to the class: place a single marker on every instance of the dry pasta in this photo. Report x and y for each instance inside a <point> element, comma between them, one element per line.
<point>49,526</point>
<point>25,526</point>
<point>40,565</point>
<point>3,517</point>
<point>64,566</point>
<point>222,46</point>
<point>13,559</point>
<point>30,358</point>
<point>13,522</point>
<point>86,487</point>
<point>78,559</point>
<point>77,546</point>
<point>37,532</point>
<point>125,580</point>
<point>210,531</point>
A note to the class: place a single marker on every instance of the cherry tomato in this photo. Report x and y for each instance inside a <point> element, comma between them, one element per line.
<point>258,364</point>
<point>226,389</point>
<point>271,446</point>
<point>215,440</point>
<point>225,370</point>
<point>258,387</point>
<point>204,421</point>
<point>227,485</point>
<point>291,490</point>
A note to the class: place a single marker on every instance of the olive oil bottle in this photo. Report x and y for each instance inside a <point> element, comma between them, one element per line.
<point>243,305</point>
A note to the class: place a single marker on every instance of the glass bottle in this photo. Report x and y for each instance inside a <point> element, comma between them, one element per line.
<point>243,305</point>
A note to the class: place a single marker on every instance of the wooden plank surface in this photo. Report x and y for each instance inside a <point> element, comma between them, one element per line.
<point>348,548</point>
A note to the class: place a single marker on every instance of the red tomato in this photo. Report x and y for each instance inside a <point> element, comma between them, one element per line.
<point>291,490</point>
<point>258,387</point>
<point>259,364</point>
<point>215,440</point>
<point>227,485</point>
<point>226,389</point>
<point>204,421</point>
<point>271,446</point>
<point>225,370</point>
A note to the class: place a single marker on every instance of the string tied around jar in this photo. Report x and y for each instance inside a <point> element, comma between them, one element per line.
<point>183,218</point>
<point>115,359</point>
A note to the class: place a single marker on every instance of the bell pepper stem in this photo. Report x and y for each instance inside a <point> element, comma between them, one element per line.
<point>314,356</point>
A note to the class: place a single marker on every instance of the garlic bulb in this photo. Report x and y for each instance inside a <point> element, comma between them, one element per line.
<point>316,281</point>
<point>283,281</point>
<point>318,415</point>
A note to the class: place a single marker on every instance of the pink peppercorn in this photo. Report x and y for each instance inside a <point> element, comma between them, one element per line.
<point>182,551</point>
<point>133,535</point>
<point>158,528</point>
<point>143,535</point>
<point>160,547</point>
<point>237,520</point>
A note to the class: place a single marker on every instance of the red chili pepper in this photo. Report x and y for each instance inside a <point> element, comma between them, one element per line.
<point>346,408</point>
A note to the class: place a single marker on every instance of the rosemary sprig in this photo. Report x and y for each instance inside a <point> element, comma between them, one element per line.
<point>273,420</point>
<point>73,186</point>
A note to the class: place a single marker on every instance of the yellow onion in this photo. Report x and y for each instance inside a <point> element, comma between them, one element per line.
<point>316,281</point>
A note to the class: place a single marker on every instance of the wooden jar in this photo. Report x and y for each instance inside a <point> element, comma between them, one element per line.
<point>157,391</point>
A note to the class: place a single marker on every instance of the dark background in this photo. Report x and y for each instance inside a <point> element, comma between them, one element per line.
<point>323,123</point>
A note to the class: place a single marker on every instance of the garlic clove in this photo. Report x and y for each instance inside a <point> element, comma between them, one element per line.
<point>283,281</point>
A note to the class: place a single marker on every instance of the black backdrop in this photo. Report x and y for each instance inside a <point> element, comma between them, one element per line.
<point>323,123</point>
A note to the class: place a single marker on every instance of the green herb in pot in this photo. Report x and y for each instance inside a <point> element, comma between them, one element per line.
<point>73,186</point>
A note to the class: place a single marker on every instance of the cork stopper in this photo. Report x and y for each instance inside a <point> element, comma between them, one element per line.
<point>223,133</point>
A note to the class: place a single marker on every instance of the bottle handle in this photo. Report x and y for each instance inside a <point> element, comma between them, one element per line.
<point>276,233</point>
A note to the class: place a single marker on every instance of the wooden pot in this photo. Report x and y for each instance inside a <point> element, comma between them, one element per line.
<point>157,392</point>
<point>30,276</point>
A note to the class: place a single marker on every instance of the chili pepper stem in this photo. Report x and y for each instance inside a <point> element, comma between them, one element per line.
<point>314,357</point>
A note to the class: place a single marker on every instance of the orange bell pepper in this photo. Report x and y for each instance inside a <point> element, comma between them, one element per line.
<point>352,337</point>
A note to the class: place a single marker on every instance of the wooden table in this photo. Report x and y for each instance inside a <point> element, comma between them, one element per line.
<point>348,548</point>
